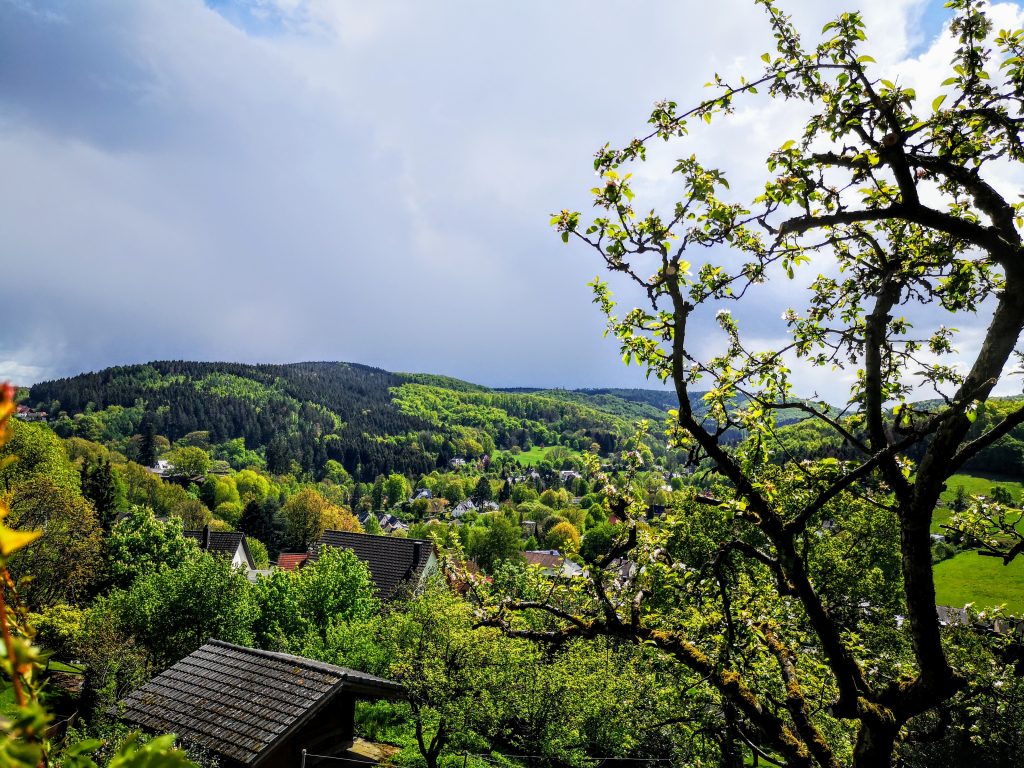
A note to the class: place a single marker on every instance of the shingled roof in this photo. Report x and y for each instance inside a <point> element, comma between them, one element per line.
<point>240,702</point>
<point>289,561</point>
<point>221,542</point>
<point>392,561</point>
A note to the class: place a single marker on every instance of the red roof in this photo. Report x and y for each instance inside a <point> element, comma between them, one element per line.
<point>289,561</point>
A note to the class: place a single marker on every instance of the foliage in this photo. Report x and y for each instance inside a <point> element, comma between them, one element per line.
<point>298,610</point>
<point>173,611</point>
<point>457,677</point>
<point>308,514</point>
<point>496,542</point>
<point>67,560</point>
<point>564,537</point>
<point>189,461</point>
<point>140,544</point>
<point>33,451</point>
<point>23,736</point>
<point>258,550</point>
<point>788,584</point>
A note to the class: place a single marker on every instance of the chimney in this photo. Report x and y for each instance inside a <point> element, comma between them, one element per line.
<point>206,538</point>
<point>417,547</point>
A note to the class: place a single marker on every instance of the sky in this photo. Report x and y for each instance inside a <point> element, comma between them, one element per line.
<point>288,180</point>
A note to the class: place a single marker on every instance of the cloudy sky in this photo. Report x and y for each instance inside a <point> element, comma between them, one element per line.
<point>280,180</point>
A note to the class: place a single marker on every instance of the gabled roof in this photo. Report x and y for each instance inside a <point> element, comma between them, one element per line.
<point>543,558</point>
<point>239,702</point>
<point>221,543</point>
<point>289,561</point>
<point>392,561</point>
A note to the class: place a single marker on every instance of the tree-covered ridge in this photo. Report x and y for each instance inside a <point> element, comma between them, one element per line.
<point>813,439</point>
<point>513,419</point>
<point>368,420</point>
<point>624,407</point>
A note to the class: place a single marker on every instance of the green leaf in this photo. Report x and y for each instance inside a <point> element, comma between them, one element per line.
<point>938,102</point>
<point>865,60</point>
<point>766,58</point>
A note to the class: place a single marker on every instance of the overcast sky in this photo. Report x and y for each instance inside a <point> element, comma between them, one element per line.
<point>277,180</point>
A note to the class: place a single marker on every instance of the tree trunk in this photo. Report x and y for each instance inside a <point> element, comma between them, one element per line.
<point>875,743</point>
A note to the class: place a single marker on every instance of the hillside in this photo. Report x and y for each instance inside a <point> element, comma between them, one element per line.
<point>370,420</point>
<point>811,439</point>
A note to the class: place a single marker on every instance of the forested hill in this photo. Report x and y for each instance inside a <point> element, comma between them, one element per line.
<point>369,420</point>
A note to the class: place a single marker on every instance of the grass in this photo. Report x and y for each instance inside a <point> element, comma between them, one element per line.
<point>984,581</point>
<point>532,457</point>
<point>973,485</point>
<point>7,706</point>
<point>60,666</point>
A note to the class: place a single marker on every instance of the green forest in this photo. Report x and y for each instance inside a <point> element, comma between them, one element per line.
<point>801,545</point>
<point>536,476</point>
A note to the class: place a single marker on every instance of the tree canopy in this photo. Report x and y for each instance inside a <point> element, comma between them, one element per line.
<point>893,217</point>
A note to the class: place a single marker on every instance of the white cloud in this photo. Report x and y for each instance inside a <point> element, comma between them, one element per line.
<point>343,180</point>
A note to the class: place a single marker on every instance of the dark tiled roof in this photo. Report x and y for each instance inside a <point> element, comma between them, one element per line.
<point>239,702</point>
<point>392,561</point>
<point>289,561</point>
<point>221,542</point>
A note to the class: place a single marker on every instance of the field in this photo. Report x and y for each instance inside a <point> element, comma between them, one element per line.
<point>973,485</point>
<point>984,581</point>
<point>532,457</point>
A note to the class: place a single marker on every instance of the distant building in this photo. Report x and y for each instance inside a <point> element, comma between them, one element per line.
<point>163,468</point>
<point>25,413</point>
<point>552,563</point>
<point>230,544</point>
<point>255,708</point>
<point>463,507</point>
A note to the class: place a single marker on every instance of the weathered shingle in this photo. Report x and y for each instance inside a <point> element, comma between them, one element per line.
<point>392,561</point>
<point>238,701</point>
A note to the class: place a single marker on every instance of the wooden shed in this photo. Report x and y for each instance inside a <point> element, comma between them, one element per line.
<point>253,707</point>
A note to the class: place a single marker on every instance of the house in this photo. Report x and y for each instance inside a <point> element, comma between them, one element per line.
<point>423,493</point>
<point>226,544</point>
<point>291,561</point>
<point>463,507</point>
<point>566,475</point>
<point>163,468</point>
<point>25,413</point>
<point>255,708</point>
<point>395,564</point>
<point>390,524</point>
<point>457,462</point>
<point>552,563</point>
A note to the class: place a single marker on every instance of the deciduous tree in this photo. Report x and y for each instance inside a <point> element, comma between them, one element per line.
<point>895,219</point>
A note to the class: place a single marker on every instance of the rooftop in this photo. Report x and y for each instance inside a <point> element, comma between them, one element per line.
<point>239,702</point>
<point>392,561</point>
<point>219,542</point>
